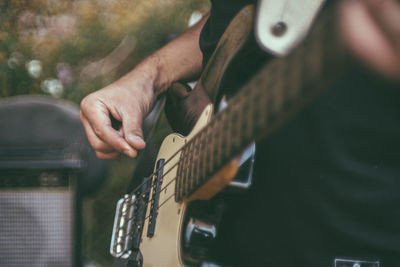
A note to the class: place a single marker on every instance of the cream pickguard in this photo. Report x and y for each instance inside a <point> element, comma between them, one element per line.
<point>163,249</point>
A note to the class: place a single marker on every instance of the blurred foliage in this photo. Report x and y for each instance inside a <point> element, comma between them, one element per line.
<point>69,48</point>
<point>82,45</point>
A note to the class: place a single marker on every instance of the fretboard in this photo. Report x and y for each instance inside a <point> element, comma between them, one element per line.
<point>279,90</point>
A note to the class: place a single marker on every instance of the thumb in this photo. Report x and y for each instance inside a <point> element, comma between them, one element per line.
<point>133,133</point>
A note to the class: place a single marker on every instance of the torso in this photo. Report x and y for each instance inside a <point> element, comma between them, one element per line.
<point>326,183</point>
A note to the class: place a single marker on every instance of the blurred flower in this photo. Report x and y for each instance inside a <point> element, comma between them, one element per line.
<point>34,68</point>
<point>53,87</point>
<point>64,73</point>
<point>194,18</point>
<point>16,60</point>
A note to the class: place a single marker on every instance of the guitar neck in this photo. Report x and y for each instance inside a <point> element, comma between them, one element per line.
<point>280,89</point>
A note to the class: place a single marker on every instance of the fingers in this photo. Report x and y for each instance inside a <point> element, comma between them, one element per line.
<point>132,131</point>
<point>386,14</point>
<point>96,143</point>
<point>371,29</point>
<point>106,141</point>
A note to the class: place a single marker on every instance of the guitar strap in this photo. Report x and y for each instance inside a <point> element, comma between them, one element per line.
<point>184,106</point>
<point>233,39</point>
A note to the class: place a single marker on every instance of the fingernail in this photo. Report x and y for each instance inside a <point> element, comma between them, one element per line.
<point>137,140</point>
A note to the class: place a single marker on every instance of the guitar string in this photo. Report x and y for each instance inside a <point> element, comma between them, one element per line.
<point>146,203</point>
<point>136,190</point>
<point>159,206</point>
<point>150,177</point>
<point>148,216</point>
<point>145,206</point>
<point>195,148</point>
<point>163,188</point>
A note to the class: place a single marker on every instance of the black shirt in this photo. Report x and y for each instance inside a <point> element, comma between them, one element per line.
<point>327,183</point>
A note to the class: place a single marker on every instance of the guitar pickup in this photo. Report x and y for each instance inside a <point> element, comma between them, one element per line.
<point>155,199</point>
<point>121,235</point>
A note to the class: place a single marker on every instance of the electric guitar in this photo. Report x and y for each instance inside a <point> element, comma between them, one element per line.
<point>153,226</point>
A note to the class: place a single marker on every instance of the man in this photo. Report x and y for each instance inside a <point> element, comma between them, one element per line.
<point>327,183</point>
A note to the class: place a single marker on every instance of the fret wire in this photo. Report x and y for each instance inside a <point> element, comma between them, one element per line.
<point>223,137</point>
<point>295,79</point>
<point>228,133</point>
<point>193,173</point>
<point>209,151</point>
<point>197,161</point>
<point>192,164</point>
<point>210,148</point>
<point>203,157</point>
<point>200,156</point>
<point>257,111</point>
<point>275,96</point>
<point>183,172</point>
<point>239,129</point>
<point>249,121</point>
<point>232,128</point>
<point>178,186</point>
<point>187,169</point>
<point>178,179</point>
<point>269,99</point>
<point>220,139</point>
<point>186,180</point>
<point>215,141</point>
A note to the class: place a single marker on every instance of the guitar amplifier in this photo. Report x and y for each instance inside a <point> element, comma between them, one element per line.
<point>46,165</point>
<point>38,222</point>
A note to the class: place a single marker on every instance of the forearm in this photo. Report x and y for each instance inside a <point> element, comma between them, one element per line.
<point>180,59</point>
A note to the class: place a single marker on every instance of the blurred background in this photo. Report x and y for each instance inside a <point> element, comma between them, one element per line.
<point>67,49</point>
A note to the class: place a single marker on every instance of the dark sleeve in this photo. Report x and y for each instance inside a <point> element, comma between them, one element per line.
<point>222,12</point>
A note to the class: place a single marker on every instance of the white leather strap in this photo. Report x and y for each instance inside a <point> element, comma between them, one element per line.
<point>281,24</point>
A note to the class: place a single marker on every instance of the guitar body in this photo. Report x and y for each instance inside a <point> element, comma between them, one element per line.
<point>164,247</point>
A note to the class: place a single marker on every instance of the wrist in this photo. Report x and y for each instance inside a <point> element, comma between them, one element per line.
<point>155,72</point>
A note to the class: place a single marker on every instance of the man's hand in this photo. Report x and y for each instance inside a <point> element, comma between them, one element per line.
<point>127,100</point>
<point>371,28</point>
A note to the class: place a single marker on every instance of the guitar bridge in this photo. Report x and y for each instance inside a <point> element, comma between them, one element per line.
<point>122,230</point>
